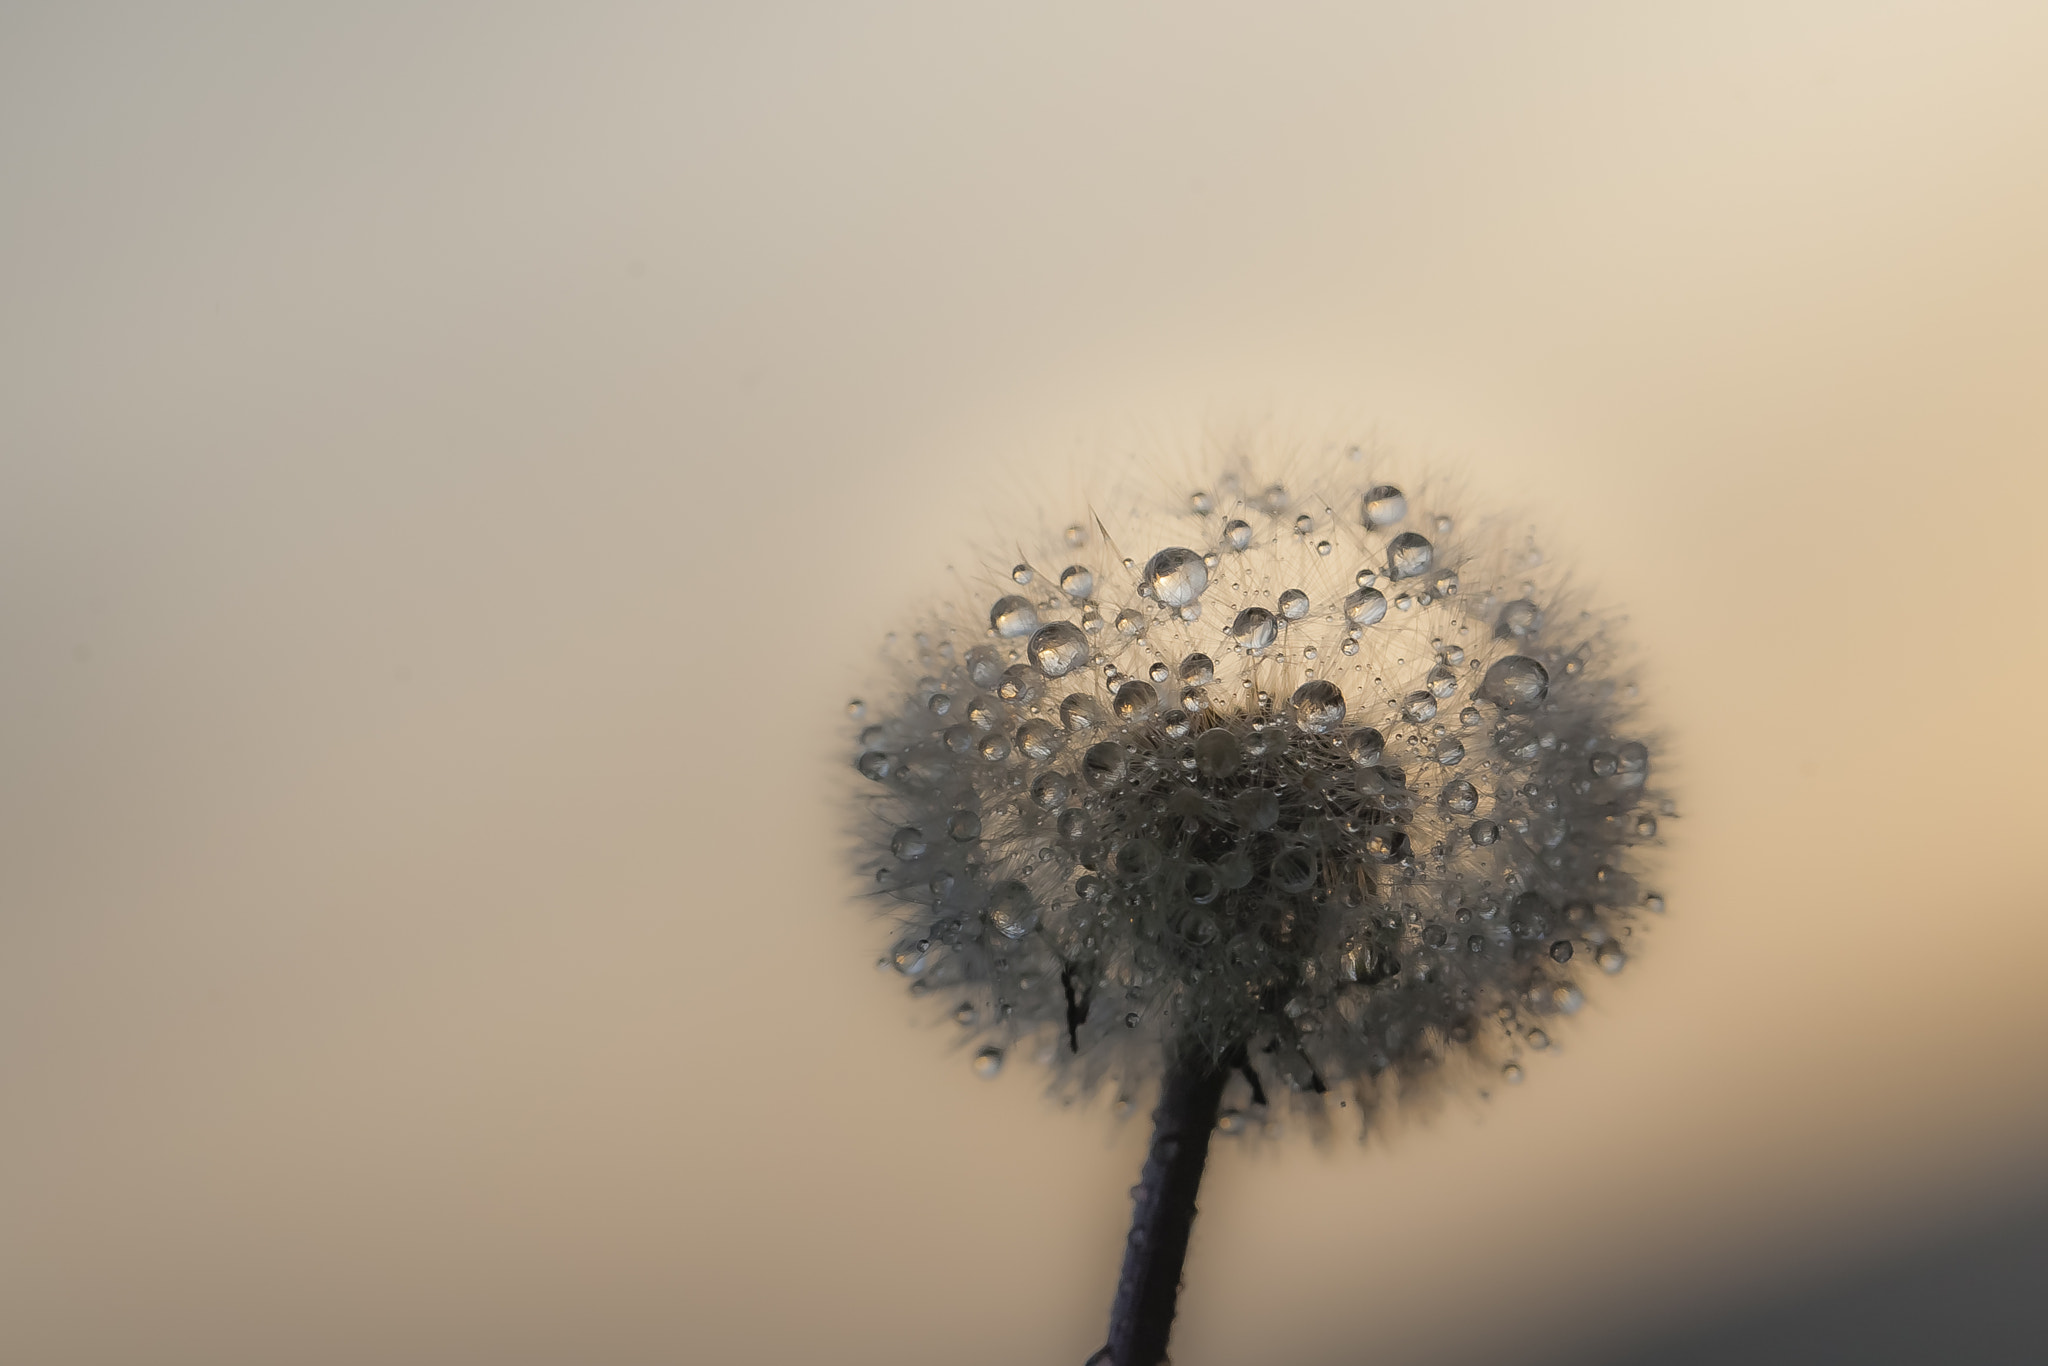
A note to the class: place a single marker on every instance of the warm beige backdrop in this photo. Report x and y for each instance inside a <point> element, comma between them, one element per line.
<point>455,461</point>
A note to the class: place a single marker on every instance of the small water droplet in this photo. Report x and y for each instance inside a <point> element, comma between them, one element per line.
<point>1512,1074</point>
<point>1561,951</point>
<point>1365,745</point>
<point>1294,604</point>
<point>1077,534</point>
<point>1200,501</point>
<point>1611,959</point>
<point>1365,607</point>
<point>988,1062</point>
<point>1323,547</point>
<point>856,709</point>
<point>1021,574</point>
<point>1012,912</point>
<point>908,843</point>
<point>1077,581</point>
<point>1236,534</point>
<point>1318,706</point>
<point>1484,833</point>
<point>964,826</point>
<point>1518,620</point>
<point>1050,791</point>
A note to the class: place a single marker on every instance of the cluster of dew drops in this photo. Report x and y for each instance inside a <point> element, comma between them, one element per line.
<point>1353,820</point>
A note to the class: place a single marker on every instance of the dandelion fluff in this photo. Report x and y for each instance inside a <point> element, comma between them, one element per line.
<point>1307,791</point>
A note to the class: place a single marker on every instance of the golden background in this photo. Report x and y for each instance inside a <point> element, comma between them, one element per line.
<point>456,461</point>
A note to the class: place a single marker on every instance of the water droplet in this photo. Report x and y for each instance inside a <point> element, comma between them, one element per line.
<point>1294,604</point>
<point>1217,753</point>
<point>876,765</point>
<point>1561,951</point>
<point>1012,912</point>
<point>1603,764</point>
<point>984,711</point>
<point>1077,581</point>
<point>1079,711</point>
<point>1538,1040</point>
<point>1021,574</point>
<point>1512,1074</point>
<point>963,1014</point>
<point>1469,717</point>
<point>1418,707</point>
<point>1050,791</point>
<point>1158,672</point>
<point>1384,505</point>
<point>1103,767</point>
<point>1057,650</point>
<point>1365,607</point>
<point>1130,623</point>
<point>1441,681</point>
<point>909,957</point>
<point>1646,826</point>
<point>1450,751</point>
<point>1515,683</point>
<point>1611,959</point>
<point>1365,745</point>
<point>1255,628</point>
<point>1134,699</point>
<point>1461,797</point>
<point>1654,903</point>
<point>1385,844</point>
<point>1518,620</point>
<point>1077,534</point>
<point>1021,684</point>
<point>1200,501</point>
<point>984,666</point>
<point>1177,576</point>
<point>1322,547</point>
<point>988,1062</point>
<point>1194,699</point>
<point>856,709</point>
<point>1318,706</point>
<point>1230,1121</point>
<point>1408,554</point>
<point>1197,670</point>
<point>964,826</point>
<point>1304,524</point>
<point>1484,833</point>
<point>1257,809</point>
<point>1039,739</point>
<point>1013,616</point>
<point>908,843</point>
<point>1237,535</point>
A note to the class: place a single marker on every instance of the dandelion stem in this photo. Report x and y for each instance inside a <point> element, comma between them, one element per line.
<point>1142,1317</point>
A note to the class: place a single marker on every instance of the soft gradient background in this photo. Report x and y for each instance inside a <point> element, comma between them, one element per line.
<point>455,462</point>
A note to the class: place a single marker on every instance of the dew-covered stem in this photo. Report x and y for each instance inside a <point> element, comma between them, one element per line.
<point>1189,1096</point>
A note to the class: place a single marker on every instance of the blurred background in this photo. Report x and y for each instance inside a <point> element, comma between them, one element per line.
<point>457,460</point>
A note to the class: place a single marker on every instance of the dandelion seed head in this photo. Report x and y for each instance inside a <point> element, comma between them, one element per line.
<point>1331,781</point>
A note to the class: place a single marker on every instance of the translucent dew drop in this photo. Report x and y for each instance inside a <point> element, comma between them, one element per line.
<point>1012,912</point>
<point>1134,699</point>
<point>1365,745</point>
<point>1236,534</point>
<point>1294,604</point>
<point>1515,683</point>
<point>1255,628</point>
<point>908,843</point>
<point>1384,505</point>
<point>1021,574</point>
<point>1177,576</point>
<point>1013,616</point>
<point>1039,739</point>
<point>987,1063</point>
<point>1318,706</point>
<point>1518,620</point>
<point>1408,554</point>
<point>1077,581</point>
<point>1058,649</point>
<point>1050,791</point>
<point>1365,607</point>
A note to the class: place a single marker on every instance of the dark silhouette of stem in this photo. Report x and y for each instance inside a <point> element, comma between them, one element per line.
<point>1142,1316</point>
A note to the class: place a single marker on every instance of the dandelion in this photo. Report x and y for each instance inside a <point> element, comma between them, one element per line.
<point>1318,798</point>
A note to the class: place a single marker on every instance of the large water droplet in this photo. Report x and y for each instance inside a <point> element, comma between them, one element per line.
<point>1217,753</point>
<point>1051,790</point>
<point>1177,576</point>
<point>1058,649</point>
<point>1197,670</point>
<point>1441,681</point>
<point>1518,620</point>
<point>1515,683</point>
<point>1013,616</point>
<point>1365,745</point>
<point>1012,912</point>
<point>1294,604</point>
<point>1318,706</point>
<point>1021,686</point>
<point>1484,833</point>
<point>1418,707</point>
<point>1039,739</point>
<point>1135,698</point>
<point>1079,711</point>
<point>1384,505</point>
<point>1254,628</point>
<point>1408,554</point>
<point>1102,767</point>
<point>1077,581</point>
<point>1461,797</point>
<point>1365,606</point>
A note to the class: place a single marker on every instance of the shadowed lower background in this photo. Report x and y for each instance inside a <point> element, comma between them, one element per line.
<point>456,462</point>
